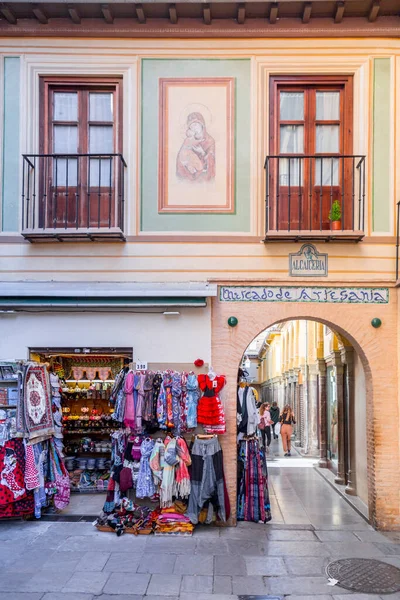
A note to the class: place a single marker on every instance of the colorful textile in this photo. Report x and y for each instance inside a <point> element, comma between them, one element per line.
<point>157,461</point>
<point>167,383</point>
<point>182,477</point>
<point>145,484</point>
<point>176,390</point>
<point>38,414</point>
<point>207,481</point>
<point>162,408</point>
<point>192,399</point>
<point>31,473</point>
<point>129,416</point>
<point>168,478</point>
<point>15,499</point>
<point>148,414</point>
<point>182,407</point>
<point>210,410</point>
<point>251,483</point>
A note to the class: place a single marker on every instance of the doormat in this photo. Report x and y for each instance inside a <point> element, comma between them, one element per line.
<point>365,575</point>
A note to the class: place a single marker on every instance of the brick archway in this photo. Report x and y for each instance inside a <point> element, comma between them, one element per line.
<point>378,352</point>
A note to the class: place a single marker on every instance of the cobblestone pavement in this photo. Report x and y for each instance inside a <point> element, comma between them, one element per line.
<point>286,558</point>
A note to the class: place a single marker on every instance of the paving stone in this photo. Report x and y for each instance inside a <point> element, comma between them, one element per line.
<point>157,544</point>
<point>163,563</point>
<point>88,582</point>
<point>22,596</point>
<point>230,565</point>
<point>164,585</point>
<point>311,565</point>
<point>267,565</point>
<point>126,583</point>
<point>159,597</point>
<point>237,533</point>
<point>67,596</point>
<point>28,562</point>
<point>373,536</point>
<point>197,583</point>
<point>194,596</point>
<point>248,586</point>
<point>93,561</point>
<point>217,546</point>
<point>389,548</point>
<point>15,583</point>
<point>104,542</point>
<point>355,550</point>
<point>122,562</point>
<point>246,547</point>
<point>282,535</point>
<point>319,597</point>
<point>120,597</point>
<point>336,536</point>
<point>392,560</point>
<point>296,549</point>
<point>359,597</point>
<point>68,529</point>
<point>193,565</point>
<point>292,585</point>
<point>63,561</point>
<point>46,581</point>
<point>222,584</point>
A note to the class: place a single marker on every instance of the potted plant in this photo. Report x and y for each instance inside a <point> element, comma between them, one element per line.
<point>335,216</point>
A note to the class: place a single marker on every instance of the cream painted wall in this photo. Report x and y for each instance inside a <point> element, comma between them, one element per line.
<point>360,430</point>
<point>154,337</point>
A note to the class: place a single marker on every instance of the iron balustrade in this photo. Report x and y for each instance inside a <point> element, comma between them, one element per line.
<point>302,189</point>
<point>69,192</point>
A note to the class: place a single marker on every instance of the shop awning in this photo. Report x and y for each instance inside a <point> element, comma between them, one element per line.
<point>55,296</point>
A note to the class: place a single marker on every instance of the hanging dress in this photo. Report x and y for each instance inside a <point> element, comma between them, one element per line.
<point>210,410</point>
<point>129,416</point>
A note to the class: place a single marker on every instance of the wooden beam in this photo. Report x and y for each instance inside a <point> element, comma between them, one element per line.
<point>107,14</point>
<point>273,14</point>
<point>173,15</point>
<point>241,14</point>
<point>374,11</point>
<point>307,9</point>
<point>140,14</point>
<point>39,14</point>
<point>8,14</point>
<point>339,12</point>
<point>207,14</point>
<point>74,14</point>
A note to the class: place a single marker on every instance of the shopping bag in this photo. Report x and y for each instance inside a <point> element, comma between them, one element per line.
<point>277,429</point>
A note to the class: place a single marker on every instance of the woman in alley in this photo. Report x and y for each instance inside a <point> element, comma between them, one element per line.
<point>287,420</point>
<point>265,424</point>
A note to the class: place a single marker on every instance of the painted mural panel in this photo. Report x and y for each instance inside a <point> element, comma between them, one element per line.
<point>195,160</point>
<point>196,156</point>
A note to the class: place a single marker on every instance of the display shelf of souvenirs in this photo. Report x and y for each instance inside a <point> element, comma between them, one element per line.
<point>89,480</point>
<point>88,446</point>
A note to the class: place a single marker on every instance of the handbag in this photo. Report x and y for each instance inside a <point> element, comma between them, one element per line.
<point>261,425</point>
<point>277,429</point>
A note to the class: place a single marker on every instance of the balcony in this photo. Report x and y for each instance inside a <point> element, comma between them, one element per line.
<point>302,193</point>
<point>73,197</point>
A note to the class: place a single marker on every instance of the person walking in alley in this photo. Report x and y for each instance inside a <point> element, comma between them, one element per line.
<point>274,412</point>
<point>265,424</point>
<point>287,420</point>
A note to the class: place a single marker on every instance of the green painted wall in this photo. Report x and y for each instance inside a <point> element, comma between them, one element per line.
<point>152,70</point>
<point>11,174</point>
<point>381,199</point>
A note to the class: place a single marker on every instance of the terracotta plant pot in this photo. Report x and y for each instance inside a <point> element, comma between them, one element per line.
<point>336,225</point>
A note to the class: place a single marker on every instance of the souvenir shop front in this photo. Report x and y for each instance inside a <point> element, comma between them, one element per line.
<point>145,440</point>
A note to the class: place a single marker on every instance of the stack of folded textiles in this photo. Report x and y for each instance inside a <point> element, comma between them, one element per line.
<point>173,521</point>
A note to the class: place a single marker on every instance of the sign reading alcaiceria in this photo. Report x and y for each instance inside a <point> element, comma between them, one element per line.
<point>339,295</point>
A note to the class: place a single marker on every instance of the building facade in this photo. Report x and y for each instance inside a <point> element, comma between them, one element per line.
<point>166,167</point>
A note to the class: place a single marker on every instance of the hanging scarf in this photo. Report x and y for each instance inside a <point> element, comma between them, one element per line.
<point>167,485</point>
<point>157,461</point>
<point>145,483</point>
<point>148,397</point>
<point>182,407</point>
<point>157,383</point>
<point>119,411</point>
<point>176,390</point>
<point>182,477</point>
<point>129,417</point>
<point>162,408</point>
<point>168,399</point>
<point>193,395</point>
<point>31,473</point>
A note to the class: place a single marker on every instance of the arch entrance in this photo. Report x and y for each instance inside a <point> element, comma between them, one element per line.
<point>352,325</point>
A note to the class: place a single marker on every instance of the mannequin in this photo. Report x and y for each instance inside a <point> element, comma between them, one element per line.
<point>247,414</point>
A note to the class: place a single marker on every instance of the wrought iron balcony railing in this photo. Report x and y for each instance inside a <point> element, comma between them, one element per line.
<point>73,196</point>
<point>315,197</point>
